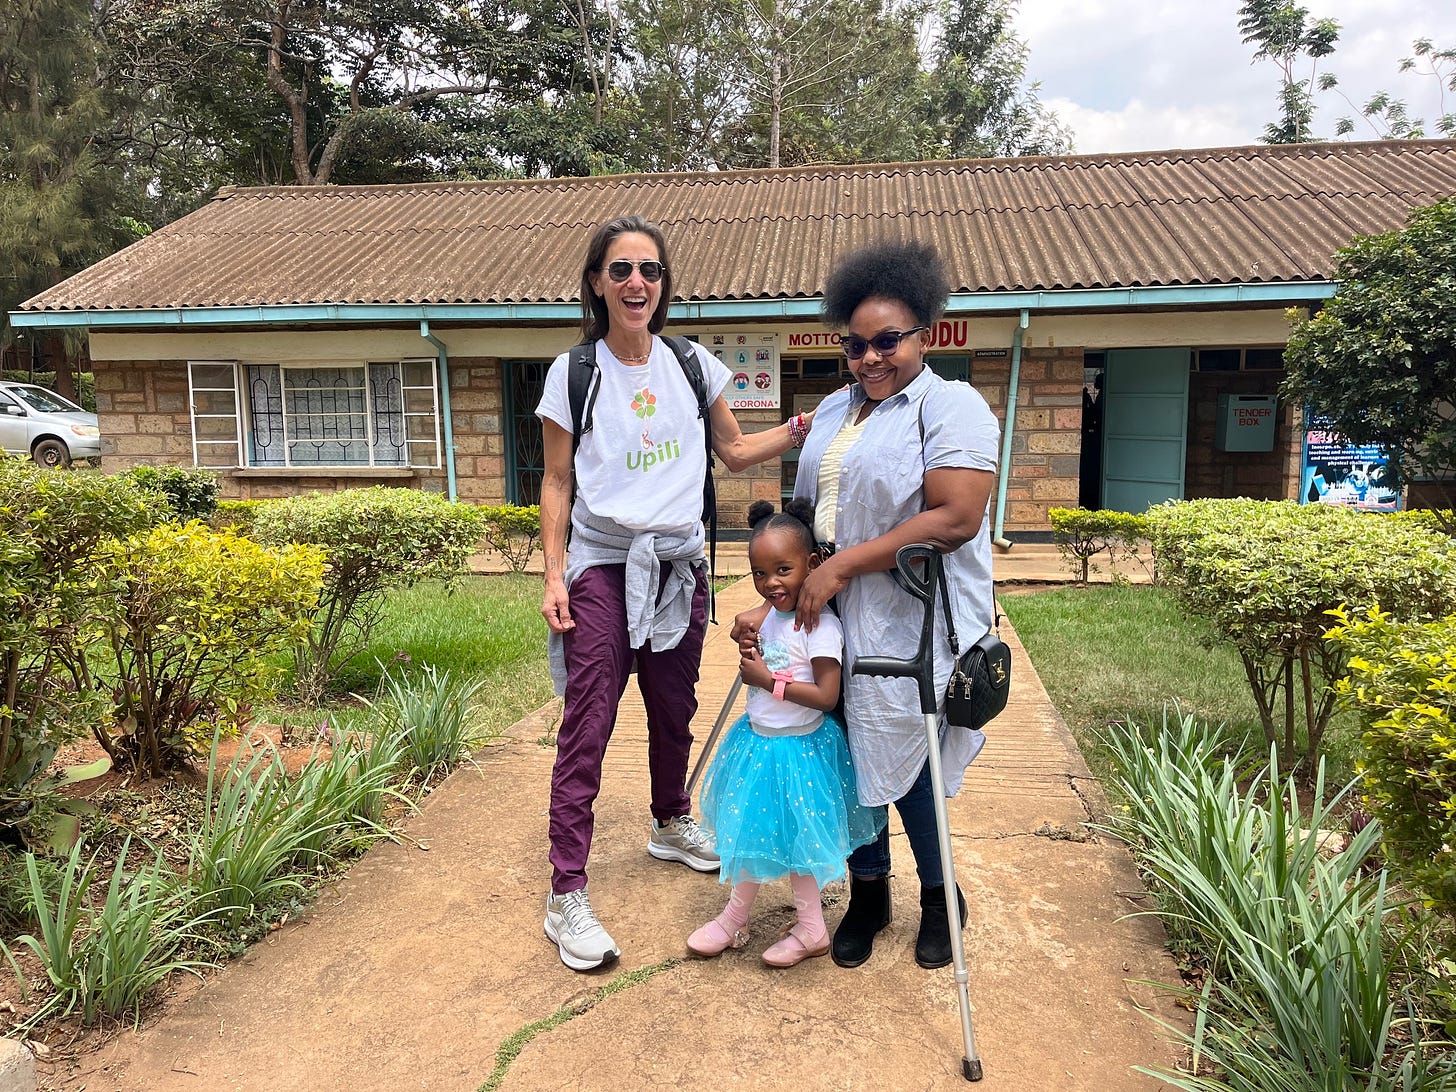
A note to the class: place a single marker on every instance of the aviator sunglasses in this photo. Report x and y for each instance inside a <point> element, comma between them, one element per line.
<point>885,344</point>
<point>651,270</point>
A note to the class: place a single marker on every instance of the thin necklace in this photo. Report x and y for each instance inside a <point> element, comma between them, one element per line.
<point>640,358</point>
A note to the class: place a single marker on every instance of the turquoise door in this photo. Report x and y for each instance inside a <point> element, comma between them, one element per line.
<point>1144,427</point>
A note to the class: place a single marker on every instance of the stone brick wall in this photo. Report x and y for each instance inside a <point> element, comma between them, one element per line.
<point>1262,475</point>
<point>1046,445</point>
<point>477,410</point>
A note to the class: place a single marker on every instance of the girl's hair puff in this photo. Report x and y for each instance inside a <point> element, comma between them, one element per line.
<point>797,516</point>
<point>909,272</point>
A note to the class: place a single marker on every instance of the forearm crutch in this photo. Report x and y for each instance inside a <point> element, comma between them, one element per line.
<point>712,739</point>
<point>919,570</point>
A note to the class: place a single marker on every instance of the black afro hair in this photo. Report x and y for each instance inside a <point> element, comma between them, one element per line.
<point>909,272</point>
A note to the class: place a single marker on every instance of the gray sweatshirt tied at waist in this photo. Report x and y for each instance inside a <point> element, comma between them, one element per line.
<point>661,618</point>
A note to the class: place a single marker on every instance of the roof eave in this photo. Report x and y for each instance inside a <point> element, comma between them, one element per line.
<point>798,307</point>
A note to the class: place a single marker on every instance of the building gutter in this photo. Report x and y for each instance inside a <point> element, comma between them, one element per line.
<point>442,358</point>
<point>998,536</point>
<point>803,307</point>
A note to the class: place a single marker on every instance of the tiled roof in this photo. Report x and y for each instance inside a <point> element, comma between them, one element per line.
<point>1218,216</point>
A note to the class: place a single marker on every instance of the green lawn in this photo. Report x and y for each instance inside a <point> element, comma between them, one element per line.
<point>486,627</point>
<point>1110,652</point>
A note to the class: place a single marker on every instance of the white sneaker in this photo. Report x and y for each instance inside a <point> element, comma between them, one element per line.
<point>572,924</point>
<point>681,839</point>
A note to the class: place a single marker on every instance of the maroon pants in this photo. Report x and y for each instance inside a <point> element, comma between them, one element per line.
<point>598,660</point>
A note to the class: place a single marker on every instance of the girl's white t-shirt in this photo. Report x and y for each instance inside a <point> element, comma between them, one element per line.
<point>787,648</point>
<point>642,462</point>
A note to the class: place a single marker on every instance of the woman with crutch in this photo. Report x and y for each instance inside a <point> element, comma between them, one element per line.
<point>902,456</point>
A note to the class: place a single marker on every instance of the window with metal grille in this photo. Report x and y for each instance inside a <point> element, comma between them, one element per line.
<point>380,413</point>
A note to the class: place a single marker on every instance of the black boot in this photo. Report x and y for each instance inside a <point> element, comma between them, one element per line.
<point>932,944</point>
<point>868,913</point>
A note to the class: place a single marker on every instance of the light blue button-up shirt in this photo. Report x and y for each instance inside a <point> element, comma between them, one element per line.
<point>881,485</point>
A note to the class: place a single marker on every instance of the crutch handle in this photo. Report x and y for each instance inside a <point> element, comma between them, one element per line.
<point>918,569</point>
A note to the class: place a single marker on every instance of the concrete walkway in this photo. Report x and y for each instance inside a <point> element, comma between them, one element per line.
<point>413,970</point>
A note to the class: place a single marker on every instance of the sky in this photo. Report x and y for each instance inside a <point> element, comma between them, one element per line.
<point>1161,74</point>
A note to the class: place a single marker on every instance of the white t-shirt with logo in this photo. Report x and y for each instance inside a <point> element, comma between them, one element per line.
<point>642,462</point>
<point>794,650</point>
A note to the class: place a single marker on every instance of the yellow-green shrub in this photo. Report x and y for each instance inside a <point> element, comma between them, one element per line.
<point>1402,680</point>
<point>1265,574</point>
<point>513,531</point>
<point>1083,533</point>
<point>54,525</point>
<point>375,538</point>
<point>235,514</point>
<point>198,612</point>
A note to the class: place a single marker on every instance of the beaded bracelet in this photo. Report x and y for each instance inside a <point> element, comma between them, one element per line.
<point>798,430</point>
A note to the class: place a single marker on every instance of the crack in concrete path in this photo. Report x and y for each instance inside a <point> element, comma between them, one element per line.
<point>512,1045</point>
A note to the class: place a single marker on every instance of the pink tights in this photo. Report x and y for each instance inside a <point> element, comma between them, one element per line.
<point>809,927</point>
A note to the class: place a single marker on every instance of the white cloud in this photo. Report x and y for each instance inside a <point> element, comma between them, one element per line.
<point>1139,126</point>
<point>1173,74</point>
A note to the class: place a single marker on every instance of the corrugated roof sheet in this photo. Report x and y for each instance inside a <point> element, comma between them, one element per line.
<point>1230,215</point>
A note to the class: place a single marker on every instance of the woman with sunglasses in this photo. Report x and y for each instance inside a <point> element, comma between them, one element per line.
<point>901,456</point>
<point>634,588</point>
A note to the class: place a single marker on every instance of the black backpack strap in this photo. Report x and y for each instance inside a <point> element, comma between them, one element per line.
<point>583,381</point>
<point>687,356</point>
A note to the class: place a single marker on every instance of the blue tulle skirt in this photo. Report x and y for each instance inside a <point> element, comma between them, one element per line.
<point>781,804</point>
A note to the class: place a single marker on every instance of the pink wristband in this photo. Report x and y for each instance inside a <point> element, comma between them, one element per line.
<point>781,682</point>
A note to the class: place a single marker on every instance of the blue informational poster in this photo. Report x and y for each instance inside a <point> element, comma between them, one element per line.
<point>1339,472</point>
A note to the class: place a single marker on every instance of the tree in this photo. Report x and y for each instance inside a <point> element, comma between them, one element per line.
<point>1286,35</point>
<point>983,106</point>
<point>1389,117</point>
<point>1379,360</point>
<point>54,207</point>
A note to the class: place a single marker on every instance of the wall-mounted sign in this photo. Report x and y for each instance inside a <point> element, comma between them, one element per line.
<point>753,364</point>
<point>1339,472</point>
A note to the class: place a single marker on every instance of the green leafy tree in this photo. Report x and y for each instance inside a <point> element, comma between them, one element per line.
<point>1388,117</point>
<point>55,198</point>
<point>982,102</point>
<point>1379,359</point>
<point>1285,33</point>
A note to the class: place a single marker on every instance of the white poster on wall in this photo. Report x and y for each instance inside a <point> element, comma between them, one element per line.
<point>753,361</point>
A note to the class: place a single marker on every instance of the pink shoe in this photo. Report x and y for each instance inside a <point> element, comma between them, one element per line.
<point>714,938</point>
<point>791,950</point>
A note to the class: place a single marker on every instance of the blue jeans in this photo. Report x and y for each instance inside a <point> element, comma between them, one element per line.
<point>917,815</point>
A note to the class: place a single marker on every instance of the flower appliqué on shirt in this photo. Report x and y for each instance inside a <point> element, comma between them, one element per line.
<point>776,656</point>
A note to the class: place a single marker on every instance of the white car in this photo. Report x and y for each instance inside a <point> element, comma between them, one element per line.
<point>40,423</point>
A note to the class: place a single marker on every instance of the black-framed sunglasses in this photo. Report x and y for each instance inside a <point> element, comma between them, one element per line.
<point>886,343</point>
<point>651,270</point>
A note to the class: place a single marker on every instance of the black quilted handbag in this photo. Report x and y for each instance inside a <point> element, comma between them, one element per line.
<point>980,682</point>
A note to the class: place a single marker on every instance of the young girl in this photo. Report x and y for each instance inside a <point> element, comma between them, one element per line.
<point>780,793</point>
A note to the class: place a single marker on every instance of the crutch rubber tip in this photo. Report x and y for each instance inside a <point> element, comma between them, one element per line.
<point>971,1070</point>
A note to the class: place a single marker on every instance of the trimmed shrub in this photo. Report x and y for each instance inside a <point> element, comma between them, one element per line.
<point>54,527</point>
<point>1083,533</point>
<point>376,539</point>
<point>1402,681</point>
<point>1265,574</point>
<point>237,515</point>
<point>198,612</point>
<point>191,491</point>
<point>513,531</point>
